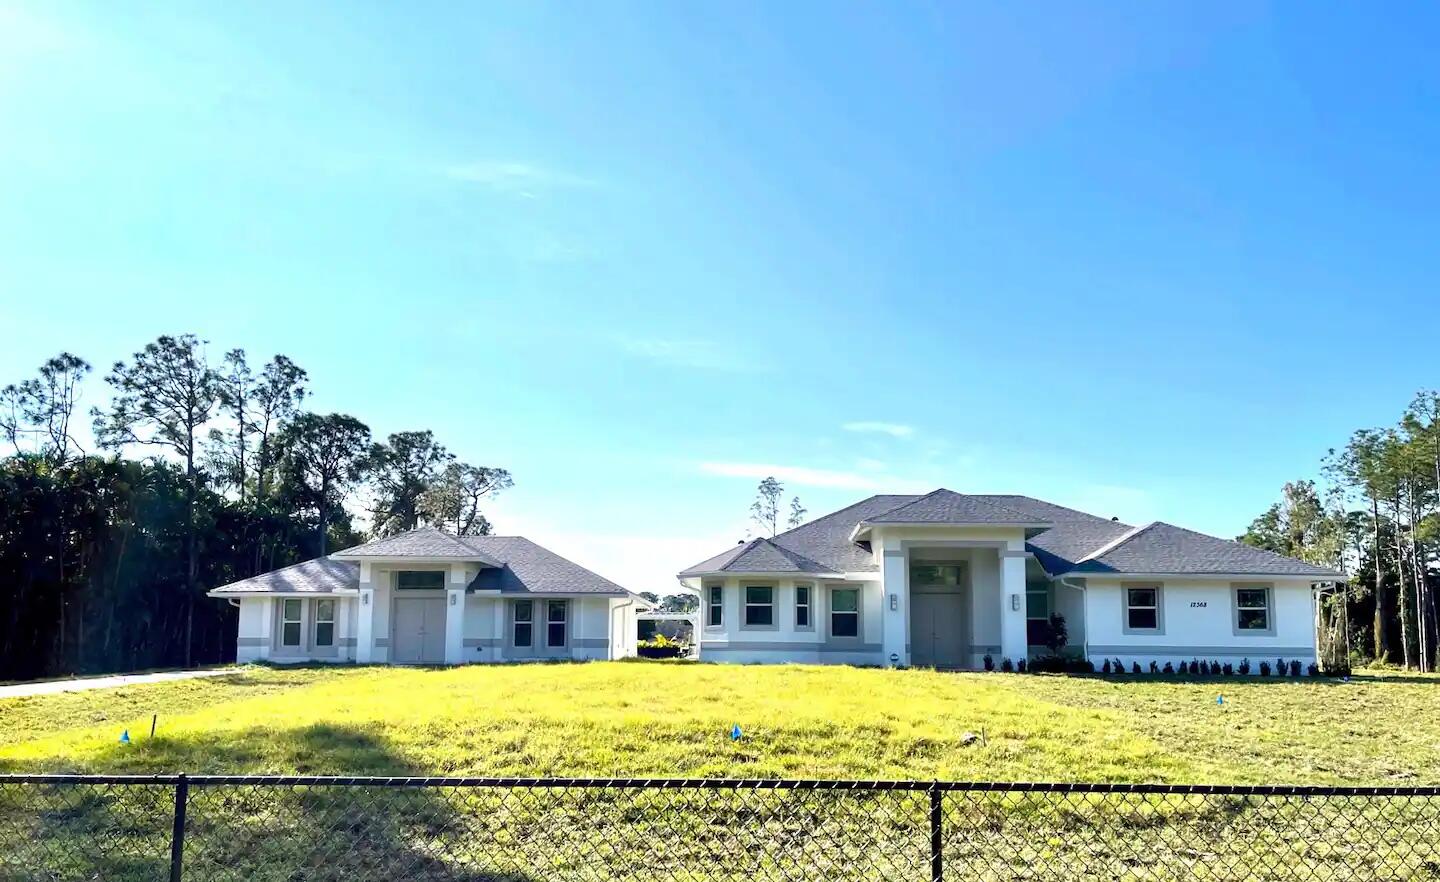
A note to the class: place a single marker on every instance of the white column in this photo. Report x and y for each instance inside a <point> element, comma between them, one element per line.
<point>894,599</point>
<point>267,623</point>
<point>1013,641</point>
<point>497,629</point>
<point>365,617</point>
<point>455,616</point>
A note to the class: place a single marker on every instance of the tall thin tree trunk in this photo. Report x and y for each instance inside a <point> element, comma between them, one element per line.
<point>1382,639</point>
<point>192,558</point>
<point>1401,596</point>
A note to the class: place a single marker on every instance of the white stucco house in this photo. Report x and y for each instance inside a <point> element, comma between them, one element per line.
<point>427,597</point>
<point>945,579</point>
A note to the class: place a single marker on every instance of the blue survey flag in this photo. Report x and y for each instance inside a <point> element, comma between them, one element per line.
<point>735,732</point>
<point>125,737</point>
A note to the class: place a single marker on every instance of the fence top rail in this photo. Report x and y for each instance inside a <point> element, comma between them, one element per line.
<point>722,784</point>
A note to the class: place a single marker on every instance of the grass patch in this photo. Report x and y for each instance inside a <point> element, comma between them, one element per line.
<point>636,719</point>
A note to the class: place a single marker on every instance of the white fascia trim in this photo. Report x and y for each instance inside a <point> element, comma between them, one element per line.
<point>1238,577</point>
<point>863,527</point>
<point>790,574</point>
<point>343,592</point>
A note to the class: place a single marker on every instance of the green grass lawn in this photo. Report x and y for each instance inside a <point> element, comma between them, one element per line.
<point>667,719</point>
<point>673,719</point>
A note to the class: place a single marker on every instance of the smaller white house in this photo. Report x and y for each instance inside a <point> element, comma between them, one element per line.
<point>947,579</point>
<point>428,598</point>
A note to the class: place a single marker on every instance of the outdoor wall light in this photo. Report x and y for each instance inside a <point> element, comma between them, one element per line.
<point>894,601</point>
<point>452,599</point>
<point>365,600</point>
<point>894,658</point>
<point>1015,602</point>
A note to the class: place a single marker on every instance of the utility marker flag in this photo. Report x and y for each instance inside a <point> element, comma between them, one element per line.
<point>735,732</point>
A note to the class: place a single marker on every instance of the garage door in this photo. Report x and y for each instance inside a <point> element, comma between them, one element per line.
<point>419,630</point>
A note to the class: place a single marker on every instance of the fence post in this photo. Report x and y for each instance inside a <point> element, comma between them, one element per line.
<point>177,834</point>
<point>937,840</point>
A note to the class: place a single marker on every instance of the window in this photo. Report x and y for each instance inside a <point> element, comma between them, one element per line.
<point>555,622</point>
<point>1252,609</point>
<point>759,606</point>
<point>418,580</point>
<point>715,607</point>
<point>524,629</point>
<point>844,612</point>
<point>1037,614</point>
<point>1142,608</point>
<point>936,574</point>
<point>324,623</point>
<point>802,607</point>
<point>290,622</point>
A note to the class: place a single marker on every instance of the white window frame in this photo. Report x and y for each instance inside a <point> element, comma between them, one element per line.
<point>286,622</point>
<point>1126,606</point>
<point>807,605</point>
<point>564,622</point>
<point>857,613</point>
<point>528,621</point>
<point>714,606</point>
<point>746,605</point>
<point>315,626</point>
<point>1269,607</point>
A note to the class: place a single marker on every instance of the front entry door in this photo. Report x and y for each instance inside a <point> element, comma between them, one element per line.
<point>937,621</point>
<point>419,630</point>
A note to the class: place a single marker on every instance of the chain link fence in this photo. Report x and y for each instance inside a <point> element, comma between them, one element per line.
<point>309,829</point>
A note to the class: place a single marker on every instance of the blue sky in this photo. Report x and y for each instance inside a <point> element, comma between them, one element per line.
<point>1150,260</point>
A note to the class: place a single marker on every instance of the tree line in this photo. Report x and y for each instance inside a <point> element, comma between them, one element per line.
<point>1376,518</point>
<point>202,473</point>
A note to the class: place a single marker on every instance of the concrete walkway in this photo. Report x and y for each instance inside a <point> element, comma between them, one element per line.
<point>52,687</point>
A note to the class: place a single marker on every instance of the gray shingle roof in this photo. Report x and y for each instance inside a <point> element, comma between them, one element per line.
<point>1164,548</point>
<point>948,507</point>
<point>322,575</point>
<point>759,556</point>
<point>423,542</point>
<point>517,566</point>
<point>530,569</point>
<point>1060,548</point>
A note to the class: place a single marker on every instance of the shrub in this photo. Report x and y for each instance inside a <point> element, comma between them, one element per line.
<point>989,662</point>
<point>1007,666</point>
<point>1281,666</point>
<point>1313,670</point>
<point>1106,668</point>
<point>1021,665</point>
<point>1244,666</point>
<point>1057,635</point>
<point>1169,668</point>
<point>1119,666</point>
<point>1264,669</point>
<point>1154,668</point>
<point>1229,669</point>
<point>1134,667</point>
<point>1294,667</point>
<point>1194,667</point>
<point>1215,667</point>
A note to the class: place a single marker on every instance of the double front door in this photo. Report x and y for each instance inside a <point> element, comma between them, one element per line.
<point>419,630</point>
<point>938,622</point>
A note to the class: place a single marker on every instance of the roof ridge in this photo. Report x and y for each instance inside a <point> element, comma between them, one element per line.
<point>1119,541</point>
<point>980,498</point>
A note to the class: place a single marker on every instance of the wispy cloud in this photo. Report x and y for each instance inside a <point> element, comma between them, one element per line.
<point>702,354</point>
<point>872,427</point>
<point>801,475</point>
<point>517,178</point>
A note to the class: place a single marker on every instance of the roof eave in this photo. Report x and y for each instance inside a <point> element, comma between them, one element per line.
<point>1269,577</point>
<point>763,574</point>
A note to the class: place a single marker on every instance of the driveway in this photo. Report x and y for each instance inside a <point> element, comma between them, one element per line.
<point>52,687</point>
